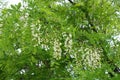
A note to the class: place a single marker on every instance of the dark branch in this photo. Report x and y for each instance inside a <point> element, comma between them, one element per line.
<point>71,2</point>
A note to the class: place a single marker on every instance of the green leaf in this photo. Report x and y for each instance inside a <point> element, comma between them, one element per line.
<point>13,7</point>
<point>19,5</point>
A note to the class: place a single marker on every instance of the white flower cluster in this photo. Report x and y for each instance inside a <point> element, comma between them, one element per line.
<point>92,58</point>
<point>36,34</point>
<point>22,71</point>
<point>45,47</point>
<point>70,69</point>
<point>37,37</point>
<point>19,50</point>
<point>39,64</point>
<point>57,49</point>
<point>68,43</point>
<point>24,17</point>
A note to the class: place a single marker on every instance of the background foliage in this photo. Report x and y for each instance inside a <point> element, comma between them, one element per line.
<point>59,40</point>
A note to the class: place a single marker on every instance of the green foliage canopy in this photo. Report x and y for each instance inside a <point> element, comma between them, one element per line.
<point>56,40</point>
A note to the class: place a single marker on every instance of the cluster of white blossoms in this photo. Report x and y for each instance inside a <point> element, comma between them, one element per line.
<point>57,49</point>
<point>36,34</point>
<point>92,58</point>
<point>67,46</point>
<point>68,43</point>
<point>37,37</point>
<point>24,17</point>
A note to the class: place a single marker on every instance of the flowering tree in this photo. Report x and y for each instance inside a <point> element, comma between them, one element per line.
<point>60,40</point>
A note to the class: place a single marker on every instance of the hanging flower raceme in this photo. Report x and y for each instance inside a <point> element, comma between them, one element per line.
<point>57,49</point>
<point>92,58</point>
<point>68,43</point>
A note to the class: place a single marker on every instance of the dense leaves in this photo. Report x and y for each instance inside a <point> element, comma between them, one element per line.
<point>60,40</point>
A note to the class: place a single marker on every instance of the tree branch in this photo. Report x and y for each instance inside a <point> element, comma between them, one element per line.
<point>71,2</point>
